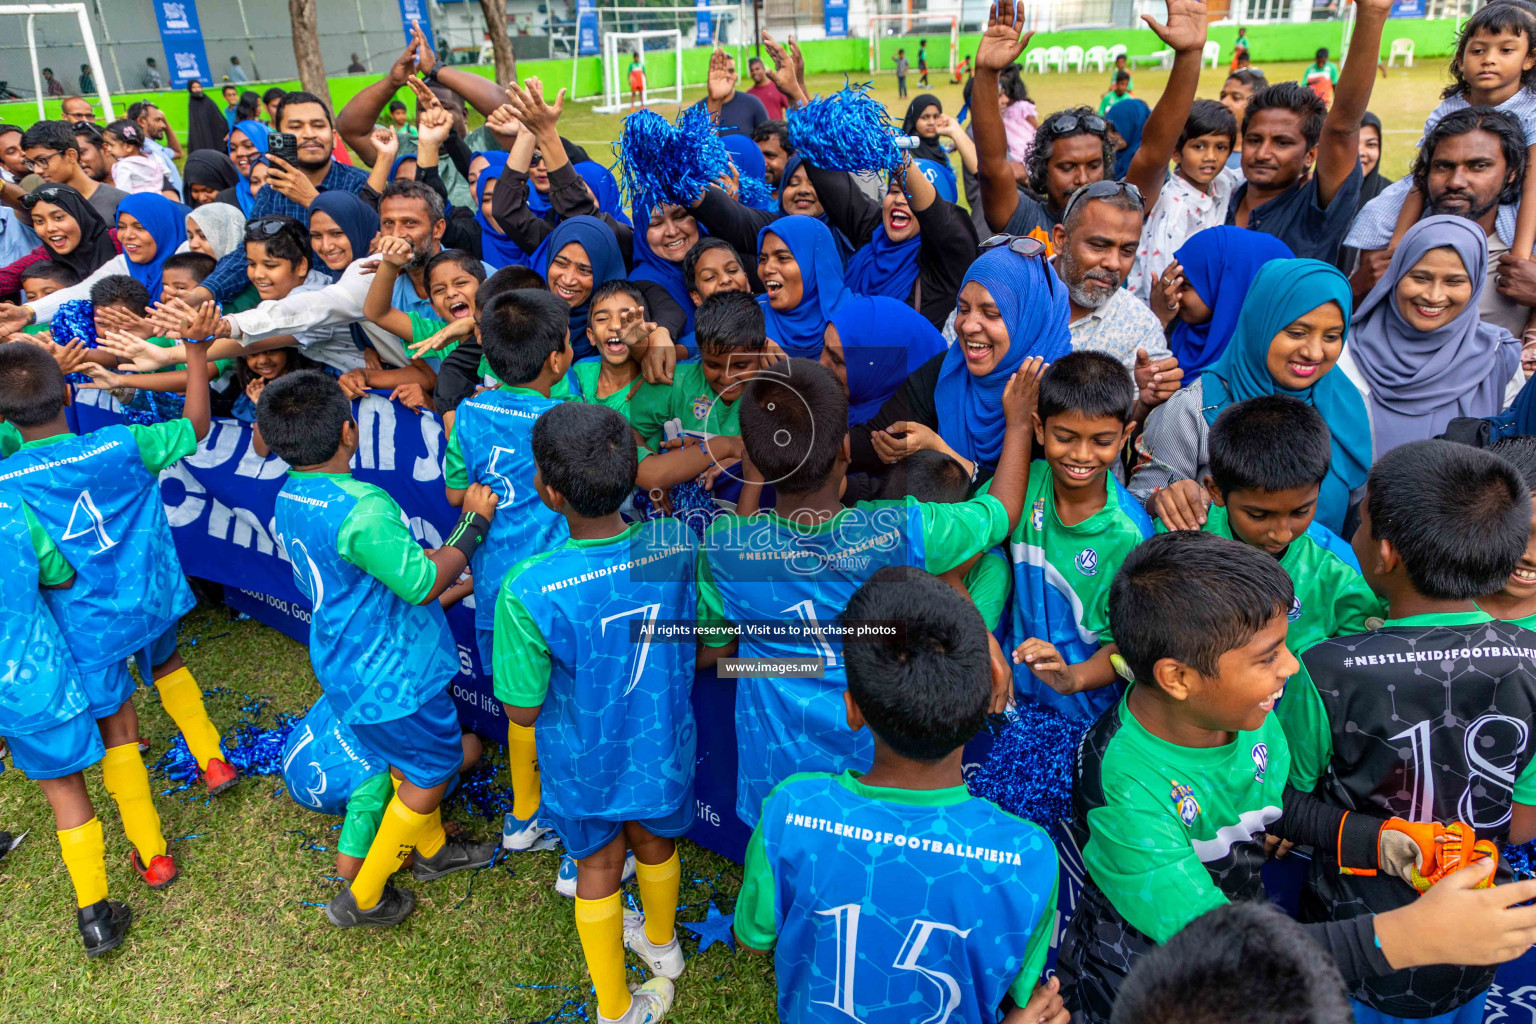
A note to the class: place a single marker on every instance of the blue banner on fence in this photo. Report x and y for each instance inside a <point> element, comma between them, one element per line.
<point>181,35</point>
<point>586,27</point>
<point>416,10</point>
<point>835,18</point>
<point>1407,9</point>
<point>704,27</point>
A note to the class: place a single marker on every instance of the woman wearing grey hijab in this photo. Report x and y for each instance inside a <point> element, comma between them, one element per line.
<point>1419,351</point>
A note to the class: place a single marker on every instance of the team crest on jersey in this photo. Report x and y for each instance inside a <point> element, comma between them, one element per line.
<point>1185,803</point>
<point>1260,760</point>
<point>701,406</point>
<point>1037,514</point>
<point>1295,612</point>
<point>1088,562</point>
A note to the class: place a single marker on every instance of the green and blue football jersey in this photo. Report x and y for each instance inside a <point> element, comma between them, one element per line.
<point>767,572</point>
<point>324,763</point>
<point>492,444</point>
<point>97,497</point>
<point>378,652</point>
<point>1061,578</point>
<point>574,625</point>
<point>889,906</point>
<point>39,683</point>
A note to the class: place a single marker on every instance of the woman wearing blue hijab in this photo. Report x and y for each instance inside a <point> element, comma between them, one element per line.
<point>1011,307</point>
<point>604,189</point>
<point>495,247</point>
<point>341,227</point>
<point>874,343</point>
<point>1129,123</point>
<point>584,255</point>
<point>150,229</point>
<point>661,239</point>
<point>1287,339</point>
<point>1218,265</point>
<point>803,279</point>
<point>247,144</point>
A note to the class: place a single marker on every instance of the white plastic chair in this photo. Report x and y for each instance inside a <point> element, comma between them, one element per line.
<point>1072,57</point>
<point>1056,58</point>
<point>1034,60</point>
<point>1401,48</point>
<point>1211,53</point>
<point>1097,56</point>
<point>1118,50</point>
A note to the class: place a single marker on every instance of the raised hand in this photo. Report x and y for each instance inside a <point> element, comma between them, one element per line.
<point>634,328</point>
<point>434,125</point>
<point>1185,30</point>
<point>386,143</point>
<point>290,181</point>
<point>426,99</point>
<point>396,251</point>
<point>1022,391</point>
<point>116,318</point>
<point>253,389</point>
<point>102,379</point>
<point>135,353</point>
<point>403,67</point>
<point>71,357</point>
<point>504,124</point>
<point>722,81</point>
<point>457,330</point>
<point>426,60</point>
<point>1001,43</point>
<point>527,102</point>
<point>1157,380</point>
<point>783,74</point>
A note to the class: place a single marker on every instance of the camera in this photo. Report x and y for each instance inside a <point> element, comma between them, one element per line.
<point>283,146</point>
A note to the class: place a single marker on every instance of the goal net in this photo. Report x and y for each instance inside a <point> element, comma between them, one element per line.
<point>891,32</point>
<point>88,39</point>
<point>619,51</point>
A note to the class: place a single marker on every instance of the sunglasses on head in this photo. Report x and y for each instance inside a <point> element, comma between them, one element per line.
<point>1101,190</point>
<point>1024,245</point>
<point>1066,124</point>
<point>263,227</point>
<point>46,194</point>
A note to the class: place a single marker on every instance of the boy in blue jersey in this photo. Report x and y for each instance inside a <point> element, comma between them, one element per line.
<point>783,573</point>
<point>525,335</point>
<point>328,769</point>
<point>1269,457</point>
<point>97,498</point>
<point>575,651</point>
<point>45,717</point>
<point>1081,524</point>
<point>378,639</point>
<point>893,895</point>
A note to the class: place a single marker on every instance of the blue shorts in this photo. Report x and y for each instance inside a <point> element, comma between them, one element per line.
<point>66,748</point>
<point>107,688</point>
<point>1470,1012</point>
<point>426,745</point>
<point>158,652</point>
<point>585,836</point>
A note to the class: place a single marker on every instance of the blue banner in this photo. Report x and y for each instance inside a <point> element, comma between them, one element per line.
<point>703,32</point>
<point>835,18</point>
<point>185,56</point>
<point>416,10</point>
<point>1407,9</point>
<point>586,28</point>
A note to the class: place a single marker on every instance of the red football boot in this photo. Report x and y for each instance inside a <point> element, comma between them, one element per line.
<point>219,776</point>
<point>160,873</point>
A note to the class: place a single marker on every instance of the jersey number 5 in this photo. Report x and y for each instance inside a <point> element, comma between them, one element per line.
<point>946,987</point>
<point>498,481</point>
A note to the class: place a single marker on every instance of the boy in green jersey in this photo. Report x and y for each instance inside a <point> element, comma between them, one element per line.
<point>1426,717</point>
<point>1177,784</point>
<point>1517,601</point>
<point>1265,495</point>
<point>619,332</point>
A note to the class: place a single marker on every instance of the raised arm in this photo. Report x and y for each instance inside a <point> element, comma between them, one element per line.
<point>1001,44</point>
<point>541,119</point>
<point>356,120</point>
<point>481,93</point>
<point>1185,35</point>
<point>1338,150</point>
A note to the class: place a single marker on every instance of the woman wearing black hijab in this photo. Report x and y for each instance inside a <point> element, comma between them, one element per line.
<point>207,174</point>
<point>206,125</point>
<point>72,233</point>
<point>922,120</point>
<point>1370,160</point>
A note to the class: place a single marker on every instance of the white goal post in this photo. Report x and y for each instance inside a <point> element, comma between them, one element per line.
<point>618,48</point>
<point>88,37</point>
<point>904,36</point>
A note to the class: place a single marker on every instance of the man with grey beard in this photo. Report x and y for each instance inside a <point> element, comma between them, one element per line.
<point>1095,247</point>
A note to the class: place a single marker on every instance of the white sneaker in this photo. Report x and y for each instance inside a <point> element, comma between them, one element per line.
<point>565,880</point>
<point>664,961</point>
<point>521,835</point>
<point>649,1003</point>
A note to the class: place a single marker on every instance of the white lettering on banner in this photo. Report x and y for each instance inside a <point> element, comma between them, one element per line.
<point>218,447</point>
<point>376,433</point>
<point>429,466</point>
<point>186,511</point>
<point>257,468</point>
<point>246,527</point>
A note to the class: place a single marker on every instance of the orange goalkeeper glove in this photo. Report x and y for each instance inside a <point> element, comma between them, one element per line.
<point>1422,853</point>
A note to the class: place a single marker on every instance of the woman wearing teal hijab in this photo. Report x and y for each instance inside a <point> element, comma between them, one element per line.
<point>1287,339</point>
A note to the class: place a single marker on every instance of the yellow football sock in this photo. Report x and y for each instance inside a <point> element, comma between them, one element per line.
<point>522,760</point>
<point>432,836</point>
<point>182,699</point>
<point>659,884</point>
<point>85,858</point>
<point>126,779</point>
<point>395,839</point>
<point>600,924</point>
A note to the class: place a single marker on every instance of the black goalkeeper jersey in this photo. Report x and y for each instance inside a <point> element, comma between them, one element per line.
<point>1427,719</point>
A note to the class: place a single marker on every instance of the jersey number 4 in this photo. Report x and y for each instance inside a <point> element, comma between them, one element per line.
<point>945,986</point>
<point>86,520</point>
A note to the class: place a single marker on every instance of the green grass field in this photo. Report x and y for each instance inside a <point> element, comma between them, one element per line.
<point>239,939</point>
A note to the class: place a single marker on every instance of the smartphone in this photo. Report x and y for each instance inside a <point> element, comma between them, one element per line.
<point>283,146</point>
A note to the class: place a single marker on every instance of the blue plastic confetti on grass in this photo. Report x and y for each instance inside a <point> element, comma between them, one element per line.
<point>716,927</point>
<point>847,131</point>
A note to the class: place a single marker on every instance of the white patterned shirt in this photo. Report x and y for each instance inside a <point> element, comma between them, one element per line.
<point>1180,211</point>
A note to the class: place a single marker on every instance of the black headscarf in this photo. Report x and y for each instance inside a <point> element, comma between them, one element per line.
<point>206,126</point>
<point>210,168</point>
<point>96,246</point>
<point>927,149</point>
<point>1374,182</point>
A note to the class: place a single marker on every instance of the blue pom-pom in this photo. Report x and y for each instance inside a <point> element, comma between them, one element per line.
<point>662,162</point>
<point>1028,772</point>
<point>75,320</point>
<point>847,131</point>
<point>757,194</point>
<point>1521,860</point>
